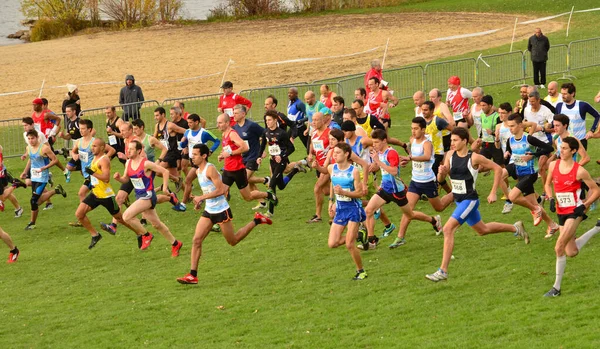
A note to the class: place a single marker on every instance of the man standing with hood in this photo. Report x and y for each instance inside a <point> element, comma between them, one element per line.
<point>538,46</point>
<point>131,93</point>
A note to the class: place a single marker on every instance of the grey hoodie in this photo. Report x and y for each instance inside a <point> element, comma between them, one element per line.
<point>131,94</point>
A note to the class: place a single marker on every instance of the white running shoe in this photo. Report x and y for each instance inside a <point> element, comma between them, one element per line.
<point>439,275</point>
<point>507,208</point>
<point>438,225</point>
<point>260,206</point>
<point>521,231</point>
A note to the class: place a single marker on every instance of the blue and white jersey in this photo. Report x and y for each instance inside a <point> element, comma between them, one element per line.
<point>85,155</point>
<point>38,160</point>
<point>505,135</point>
<point>422,171</point>
<point>577,123</point>
<point>344,179</point>
<point>519,148</point>
<point>200,136</point>
<point>296,110</point>
<point>213,205</point>
<point>359,149</point>
<point>559,143</point>
<point>391,184</point>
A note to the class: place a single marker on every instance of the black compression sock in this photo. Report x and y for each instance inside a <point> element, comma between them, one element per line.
<point>147,233</point>
<point>194,273</point>
<point>175,243</point>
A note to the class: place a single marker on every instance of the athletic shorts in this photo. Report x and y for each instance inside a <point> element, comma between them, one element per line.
<point>108,203</point>
<point>239,177</point>
<point>171,159</point>
<point>349,212</point>
<point>76,164</point>
<point>446,142</point>
<point>387,121</point>
<point>152,199</point>
<point>37,188</point>
<point>3,184</point>
<point>221,217</point>
<point>584,143</point>
<point>251,165</point>
<point>489,151</point>
<point>126,187</point>
<point>467,211</point>
<point>185,156</point>
<point>88,183</point>
<point>461,120</point>
<point>562,218</point>
<point>430,188</point>
<point>398,198</point>
<point>524,183</point>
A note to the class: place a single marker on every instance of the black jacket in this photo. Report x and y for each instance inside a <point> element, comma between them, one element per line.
<point>539,48</point>
<point>131,94</point>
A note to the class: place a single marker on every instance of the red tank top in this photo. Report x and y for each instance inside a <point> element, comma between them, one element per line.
<point>567,189</point>
<point>458,102</point>
<point>320,146</point>
<point>233,162</point>
<point>328,101</point>
<point>374,104</point>
<point>44,125</point>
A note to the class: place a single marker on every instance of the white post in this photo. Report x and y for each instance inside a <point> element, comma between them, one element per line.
<point>513,36</point>
<point>569,22</point>
<point>224,73</point>
<point>385,53</point>
<point>42,88</point>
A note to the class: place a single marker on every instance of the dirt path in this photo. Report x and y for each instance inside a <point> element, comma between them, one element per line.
<point>180,52</point>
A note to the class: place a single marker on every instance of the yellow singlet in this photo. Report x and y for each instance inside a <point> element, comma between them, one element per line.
<point>101,190</point>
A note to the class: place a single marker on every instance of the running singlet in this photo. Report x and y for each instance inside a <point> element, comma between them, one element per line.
<point>213,205</point>
<point>519,148</point>
<point>142,184</point>
<point>489,122</point>
<point>163,136</point>
<point>558,145</point>
<point>148,149</point>
<point>73,128</point>
<point>421,170</point>
<point>344,179</point>
<point>434,134</point>
<point>463,177</point>
<point>576,124</point>
<point>367,125</point>
<point>567,188</point>
<point>459,100</point>
<point>437,112</point>
<point>505,135</point>
<point>320,146</point>
<point>113,140</point>
<point>232,162</point>
<point>391,184</point>
<point>311,110</point>
<point>359,149</point>
<point>40,124</point>
<point>374,104</point>
<point>327,101</point>
<point>37,162</point>
<point>85,155</point>
<point>101,189</point>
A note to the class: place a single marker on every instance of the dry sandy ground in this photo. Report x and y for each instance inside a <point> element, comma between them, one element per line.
<point>181,52</point>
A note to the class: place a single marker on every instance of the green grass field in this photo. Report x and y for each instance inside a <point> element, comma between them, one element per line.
<point>283,288</point>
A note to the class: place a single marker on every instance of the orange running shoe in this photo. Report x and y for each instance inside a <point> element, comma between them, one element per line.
<point>189,279</point>
<point>146,240</point>
<point>263,219</point>
<point>537,216</point>
<point>12,257</point>
<point>175,249</point>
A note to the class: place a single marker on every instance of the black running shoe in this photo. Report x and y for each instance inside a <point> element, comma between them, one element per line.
<point>552,293</point>
<point>95,240</point>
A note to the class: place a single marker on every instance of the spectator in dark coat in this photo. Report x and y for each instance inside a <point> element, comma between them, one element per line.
<point>538,46</point>
<point>72,98</point>
<point>131,93</point>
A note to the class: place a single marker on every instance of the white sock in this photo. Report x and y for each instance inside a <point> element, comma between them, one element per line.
<point>583,239</point>
<point>561,263</point>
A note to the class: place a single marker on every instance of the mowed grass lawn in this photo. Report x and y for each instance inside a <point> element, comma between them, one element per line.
<point>282,286</point>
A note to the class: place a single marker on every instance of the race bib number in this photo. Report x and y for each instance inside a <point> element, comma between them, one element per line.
<point>418,166</point>
<point>518,160</point>
<point>459,186</point>
<point>112,140</point>
<point>458,115</point>
<point>165,143</point>
<point>318,145</point>
<point>227,149</point>
<point>138,183</point>
<point>94,180</point>
<point>83,156</point>
<point>340,197</point>
<point>36,173</point>
<point>565,200</point>
<point>229,111</point>
<point>274,150</point>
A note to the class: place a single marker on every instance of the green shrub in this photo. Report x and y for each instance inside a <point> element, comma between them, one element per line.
<point>46,29</point>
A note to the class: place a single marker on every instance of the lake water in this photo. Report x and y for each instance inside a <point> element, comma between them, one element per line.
<point>11,16</point>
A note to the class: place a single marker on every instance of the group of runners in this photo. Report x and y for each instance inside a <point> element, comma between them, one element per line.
<point>352,154</point>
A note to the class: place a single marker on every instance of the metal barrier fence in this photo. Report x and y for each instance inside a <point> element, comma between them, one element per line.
<point>204,105</point>
<point>437,74</point>
<point>584,54</point>
<point>557,61</point>
<point>503,68</point>
<point>500,68</point>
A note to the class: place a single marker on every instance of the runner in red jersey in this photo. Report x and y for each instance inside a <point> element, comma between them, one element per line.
<point>327,96</point>
<point>374,72</point>
<point>234,169</point>
<point>566,175</point>
<point>319,146</point>
<point>42,119</point>
<point>379,101</point>
<point>457,98</point>
<point>229,100</point>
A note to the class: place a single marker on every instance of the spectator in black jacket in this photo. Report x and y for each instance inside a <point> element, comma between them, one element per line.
<point>72,97</point>
<point>538,46</point>
<point>131,93</point>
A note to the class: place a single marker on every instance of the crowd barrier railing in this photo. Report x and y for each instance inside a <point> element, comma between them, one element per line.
<point>503,68</point>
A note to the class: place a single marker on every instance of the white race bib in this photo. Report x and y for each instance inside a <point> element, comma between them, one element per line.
<point>112,140</point>
<point>459,186</point>
<point>83,156</point>
<point>518,160</point>
<point>227,149</point>
<point>138,183</point>
<point>458,115</point>
<point>36,173</point>
<point>340,197</point>
<point>318,145</point>
<point>274,150</point>
<point>94,180</point>
<point>229,111</point>
<point>565,200</point>
<point>418,166</point>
